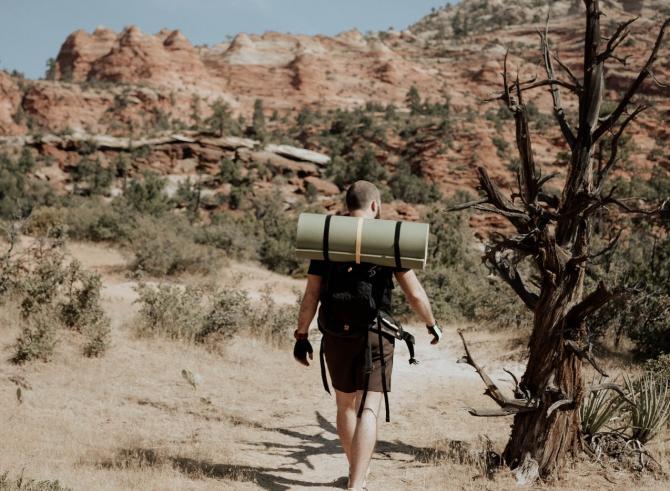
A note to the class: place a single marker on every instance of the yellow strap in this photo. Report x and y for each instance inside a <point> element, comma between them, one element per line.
<point>359,231</point>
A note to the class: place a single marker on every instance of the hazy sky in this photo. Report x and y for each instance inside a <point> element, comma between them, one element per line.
<point>31,31</point>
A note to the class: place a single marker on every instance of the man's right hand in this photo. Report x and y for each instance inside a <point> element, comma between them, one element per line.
<point>301,349</point>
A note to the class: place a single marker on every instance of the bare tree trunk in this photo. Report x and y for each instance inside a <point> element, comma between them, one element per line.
<point>555,233</point>
<point>553,371</point>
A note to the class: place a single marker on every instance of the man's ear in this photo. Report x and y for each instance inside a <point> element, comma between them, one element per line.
<point>374,207</point>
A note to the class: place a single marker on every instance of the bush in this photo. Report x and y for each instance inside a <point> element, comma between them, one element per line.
<point>458,284</point>
<point>20,192</point>
<point>226,314</point>
<point>45,220</point>
<point>200,315</point>
<point>80,309</point>
<point>169,310</point>
<point>650,411</point>
<point>235,235</point>
<point>54,293</point>
<point>273,322</point>
<point>165,247</point>
<point>147,196</point>
<point>24,484</point>
<point>412,188</point>
<point>659,366</point>
<point>38,337</point>
<point>92,219</point>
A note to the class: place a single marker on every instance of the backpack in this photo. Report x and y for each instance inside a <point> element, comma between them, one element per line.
<point>351,298</point>
<point>351,306</point>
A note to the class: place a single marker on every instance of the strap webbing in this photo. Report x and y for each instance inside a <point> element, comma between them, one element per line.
<point>326,236</point>
<point>359,232</point>
<point>324,379</point>
<point>383,364</point>
<point>396,244</point>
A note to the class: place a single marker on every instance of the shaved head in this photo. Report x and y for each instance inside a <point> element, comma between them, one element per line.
<point>361,194</point>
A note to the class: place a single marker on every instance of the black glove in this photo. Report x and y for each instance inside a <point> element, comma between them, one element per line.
<point>436,332</point>
<point>301,349</point>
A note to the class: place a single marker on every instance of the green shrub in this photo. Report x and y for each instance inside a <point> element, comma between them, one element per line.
<point>94,220</point>
<point>598,409</point>
<point>91,177</point>
<point>204,315</point>
<point>20,192</point>
<point>458,284</point>
<point>273,322</point>
<point>226,314</point>
<point>277,235</point>
<point>38,336</point>
<point>53,292</point>
<point>170,310</point>
<point>659,366</point>
<point>80,308</point>
<point>45,220</point>
<point>650,411</point>
<point>409,187</point>
<point>24,484</point>
<point>147,196</point>
<point>165,247</point>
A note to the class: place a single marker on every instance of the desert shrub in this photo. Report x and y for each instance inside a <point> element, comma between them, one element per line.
<point>165,247</point>
<point>274,322</point>
<point>53,292</point>
<point>92,219</point>
<point>45,220</point>
<point>659,366</point>
<point>640,264</point>
<point>169,310</point>
<point>40,284</point>
<point>203,315</point>
<point>225,315</point>
<point>80,308</point>
<point>24,484</point>
<point>235,235</point>
<point>91,177</point>
<point>147,195</point>
<point>277,235</point>
<point>598,409</point>
<point>650,410</point>
<point>410,187</point>
<point>38,337</point>
<point>458,284</point>
<point>361,165</point>
<point>20,192</point>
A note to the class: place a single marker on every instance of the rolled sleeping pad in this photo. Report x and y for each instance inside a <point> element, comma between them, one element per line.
<point>362,240</point>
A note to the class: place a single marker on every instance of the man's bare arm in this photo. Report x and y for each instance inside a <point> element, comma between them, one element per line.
<point>416,296</point>
<point>310,302</point>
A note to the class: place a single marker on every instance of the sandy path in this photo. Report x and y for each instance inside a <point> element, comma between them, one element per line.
<point>257,420</point>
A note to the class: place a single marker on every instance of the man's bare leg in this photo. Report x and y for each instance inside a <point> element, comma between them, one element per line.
<point>346,419</point>
<point>365,438</point>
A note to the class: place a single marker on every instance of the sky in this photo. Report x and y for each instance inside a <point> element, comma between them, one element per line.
<point>32,31</point>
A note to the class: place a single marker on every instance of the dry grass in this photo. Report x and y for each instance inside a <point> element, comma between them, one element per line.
<point>256,420</point>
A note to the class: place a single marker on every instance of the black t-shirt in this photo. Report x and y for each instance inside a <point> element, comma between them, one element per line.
<point>384,275</point>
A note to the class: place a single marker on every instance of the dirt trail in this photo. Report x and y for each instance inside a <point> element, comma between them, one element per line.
<point>255,420</point>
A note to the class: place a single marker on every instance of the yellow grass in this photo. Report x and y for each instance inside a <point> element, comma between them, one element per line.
<point>256,420</point>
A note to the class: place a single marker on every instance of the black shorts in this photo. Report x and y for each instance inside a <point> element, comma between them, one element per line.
<point>345,358</point>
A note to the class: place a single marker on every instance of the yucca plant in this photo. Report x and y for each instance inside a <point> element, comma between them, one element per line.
<point>650,410</point>
<point>599,408</point>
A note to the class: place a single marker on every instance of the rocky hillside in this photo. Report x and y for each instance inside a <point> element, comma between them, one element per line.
<point>136,85</point>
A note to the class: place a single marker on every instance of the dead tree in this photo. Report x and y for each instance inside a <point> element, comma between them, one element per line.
<point>554,234</point>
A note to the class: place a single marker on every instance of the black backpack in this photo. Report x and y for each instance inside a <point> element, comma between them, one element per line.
<point>352,299</point>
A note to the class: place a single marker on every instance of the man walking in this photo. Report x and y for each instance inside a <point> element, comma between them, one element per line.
<point>348,363</point>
